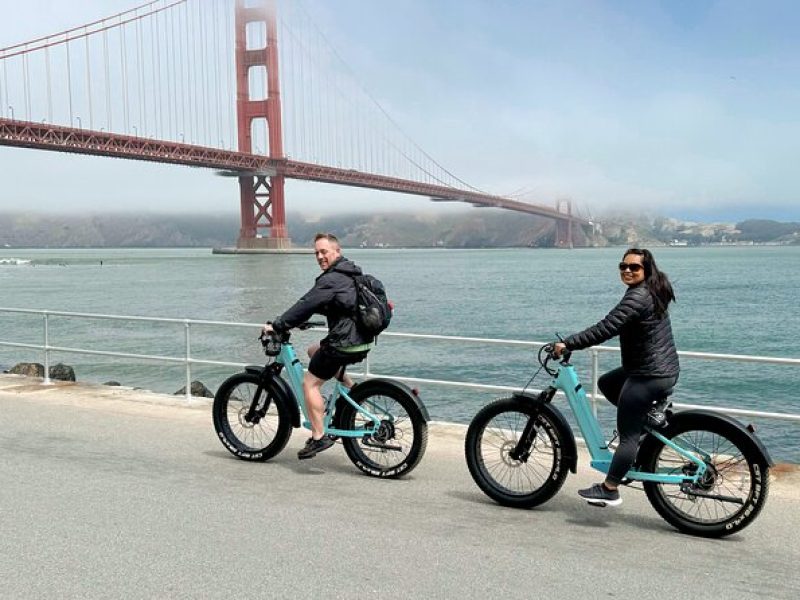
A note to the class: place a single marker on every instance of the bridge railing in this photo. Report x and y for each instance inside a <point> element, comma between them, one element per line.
<point>47,347</point>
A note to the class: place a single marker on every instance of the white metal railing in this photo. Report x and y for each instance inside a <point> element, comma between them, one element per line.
<point>188,360</point>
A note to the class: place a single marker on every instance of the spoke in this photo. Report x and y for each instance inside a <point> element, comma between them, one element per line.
<point>498,438</point>
<point>388,410</point>
<point>728,467</point>
<point>255,436</point>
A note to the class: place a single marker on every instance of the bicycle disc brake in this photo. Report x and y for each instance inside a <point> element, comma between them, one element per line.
<point>702,488</point>
<point>379,439</point>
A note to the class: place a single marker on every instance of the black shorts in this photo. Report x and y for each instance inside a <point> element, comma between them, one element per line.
<point>327,361</point>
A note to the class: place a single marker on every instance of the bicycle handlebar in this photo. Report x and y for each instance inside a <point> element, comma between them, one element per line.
<point>272,341</point>
<point>546,355</point>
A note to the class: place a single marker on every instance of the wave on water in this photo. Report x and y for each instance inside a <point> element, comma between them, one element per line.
<point>14,261</point>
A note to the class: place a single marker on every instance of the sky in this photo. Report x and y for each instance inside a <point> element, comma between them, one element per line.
<point>687,108</point>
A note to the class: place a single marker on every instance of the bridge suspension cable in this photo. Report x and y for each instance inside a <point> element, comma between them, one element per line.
<point>164,71</point>
<point>340,123</point>
<point>146,72</point>
<point>157,83</point>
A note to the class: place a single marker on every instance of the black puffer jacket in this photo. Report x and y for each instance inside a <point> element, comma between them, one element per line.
<point>333,295</point>
<point>645,339</point>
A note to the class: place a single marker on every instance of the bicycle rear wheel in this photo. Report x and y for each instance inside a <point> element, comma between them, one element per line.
<point>495,432</point>
<point>400,442</point>
<point>732,492</point>
<point>259,438</point>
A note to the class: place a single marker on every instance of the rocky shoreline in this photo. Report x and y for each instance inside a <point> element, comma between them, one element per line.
<point>62,372</point>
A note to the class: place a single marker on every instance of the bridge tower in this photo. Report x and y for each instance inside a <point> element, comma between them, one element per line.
<point>262,199</point>
<point>564,226</point>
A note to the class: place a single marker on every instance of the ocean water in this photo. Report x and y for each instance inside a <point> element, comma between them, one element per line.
<point>731,300</point>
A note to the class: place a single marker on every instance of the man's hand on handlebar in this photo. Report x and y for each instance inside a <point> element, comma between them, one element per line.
<point>267,330</point>
<point>558,349</point>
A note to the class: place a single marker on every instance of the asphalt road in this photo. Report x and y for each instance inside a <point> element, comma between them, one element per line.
<point>111,493</point>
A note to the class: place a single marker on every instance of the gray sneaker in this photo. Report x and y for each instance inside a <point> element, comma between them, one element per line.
<point>313,447</point>
<point>598,495</point>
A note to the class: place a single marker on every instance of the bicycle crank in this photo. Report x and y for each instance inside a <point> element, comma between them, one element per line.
<point>370,442</point>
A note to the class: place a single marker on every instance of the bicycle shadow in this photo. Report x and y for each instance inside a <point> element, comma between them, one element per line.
<point>329,462</point>
<point>575,513</point>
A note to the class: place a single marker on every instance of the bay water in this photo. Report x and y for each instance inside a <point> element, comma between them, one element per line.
<point>731,300</point>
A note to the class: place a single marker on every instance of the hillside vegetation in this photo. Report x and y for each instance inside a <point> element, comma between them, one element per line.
<point>484,228</point>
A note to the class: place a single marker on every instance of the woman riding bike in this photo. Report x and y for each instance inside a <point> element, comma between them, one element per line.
<point>649,368</point>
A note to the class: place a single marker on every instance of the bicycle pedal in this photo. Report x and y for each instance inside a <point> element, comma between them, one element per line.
<point>657,419</point>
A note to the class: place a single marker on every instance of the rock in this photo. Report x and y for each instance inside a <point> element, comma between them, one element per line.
<point>198,389</point>
<point>112,383</point>
<point>62,372</point>
<point>28,369</point>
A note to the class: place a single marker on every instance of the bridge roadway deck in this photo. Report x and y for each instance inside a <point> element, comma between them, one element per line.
<point>114,493</point>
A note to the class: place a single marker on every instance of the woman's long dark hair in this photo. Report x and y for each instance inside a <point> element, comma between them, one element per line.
<point>656,281</point>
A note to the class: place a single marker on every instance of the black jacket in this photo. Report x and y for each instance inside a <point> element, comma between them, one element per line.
<point>645,339</point>
<point>333,295</point>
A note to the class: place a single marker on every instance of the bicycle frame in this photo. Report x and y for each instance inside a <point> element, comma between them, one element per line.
<point>566,380</point>
<point>288,358</point>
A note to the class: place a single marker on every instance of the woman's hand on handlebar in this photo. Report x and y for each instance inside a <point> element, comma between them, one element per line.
<point>267,330</point>
<point>558,349</point>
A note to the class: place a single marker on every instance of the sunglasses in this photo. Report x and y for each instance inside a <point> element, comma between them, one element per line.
<point>632,267</point>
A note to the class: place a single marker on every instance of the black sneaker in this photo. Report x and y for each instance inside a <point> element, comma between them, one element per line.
<point>313,446</point>
<point>598,495</point>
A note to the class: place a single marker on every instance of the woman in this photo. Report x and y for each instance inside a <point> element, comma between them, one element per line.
<point>649,368</point>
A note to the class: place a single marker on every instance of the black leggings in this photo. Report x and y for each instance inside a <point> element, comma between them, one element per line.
<point>633,396</point>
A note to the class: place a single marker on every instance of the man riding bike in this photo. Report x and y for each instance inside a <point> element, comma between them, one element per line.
<point>333,295</point>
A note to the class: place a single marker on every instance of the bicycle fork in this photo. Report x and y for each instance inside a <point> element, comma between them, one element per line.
<point>522,451</point>
<point>256,412</point>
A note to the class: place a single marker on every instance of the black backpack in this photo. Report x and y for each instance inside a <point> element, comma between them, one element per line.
<point>373,310</point>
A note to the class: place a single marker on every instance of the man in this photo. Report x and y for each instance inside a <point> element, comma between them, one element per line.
<point>333,295</point>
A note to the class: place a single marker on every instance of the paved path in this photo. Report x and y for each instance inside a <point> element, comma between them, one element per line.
<point>110,493</point>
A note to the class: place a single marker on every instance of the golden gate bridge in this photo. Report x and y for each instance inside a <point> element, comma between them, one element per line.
<point>204,84</point>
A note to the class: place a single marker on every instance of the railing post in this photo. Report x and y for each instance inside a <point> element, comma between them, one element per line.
<point>46,349</point>
<point>595,368</point>
<point>188,338</point>
<point>366,367</point>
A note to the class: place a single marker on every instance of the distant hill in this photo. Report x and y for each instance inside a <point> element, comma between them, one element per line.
<point>761,230</point>
<point>627,229</point>
<point>472,229</point>
<point>116,230</point>
<point>482,228</point>
<point>478,229</point>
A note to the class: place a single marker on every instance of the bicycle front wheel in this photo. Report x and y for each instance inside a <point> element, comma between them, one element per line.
<point>495,432</point>
<point>258,437</point>
<point>731,493</point>
<point>402,436</point>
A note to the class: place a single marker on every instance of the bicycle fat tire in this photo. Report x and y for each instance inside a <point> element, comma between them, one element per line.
<point>248,441</point>
<point>403,425</point>
<point>495,431</point>
<point>735,469</point>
